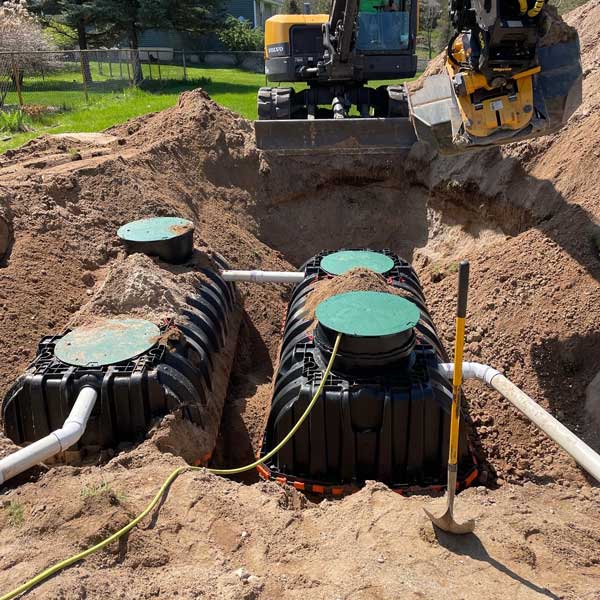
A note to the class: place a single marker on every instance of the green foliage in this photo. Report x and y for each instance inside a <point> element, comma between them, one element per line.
<point>59,34</point>
<point>131,16</point>
<point>240,35</point>
<point>15,513</point>
<point>320,7</point>
<point>292,7</point>
<point>13,122</point>
<point>101,489</point>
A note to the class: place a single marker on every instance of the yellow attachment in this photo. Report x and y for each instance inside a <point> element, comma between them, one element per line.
<point>537,7</point>
<point>523,6</point>
<point>277,28</point>
<point>497,112</point>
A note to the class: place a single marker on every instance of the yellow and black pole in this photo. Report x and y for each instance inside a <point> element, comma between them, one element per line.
<point>446,522</point>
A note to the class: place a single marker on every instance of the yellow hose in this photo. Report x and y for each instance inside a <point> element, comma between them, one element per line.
<point>63,564</point>
<point>523,6</point>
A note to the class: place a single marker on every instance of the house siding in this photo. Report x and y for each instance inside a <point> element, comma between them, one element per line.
<point>241,8</point>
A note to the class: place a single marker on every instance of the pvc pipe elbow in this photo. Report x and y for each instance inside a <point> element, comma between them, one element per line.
<point>57,441</point>
<point>471,370</point>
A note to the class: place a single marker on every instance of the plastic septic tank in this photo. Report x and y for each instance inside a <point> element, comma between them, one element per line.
<point>384,412</point>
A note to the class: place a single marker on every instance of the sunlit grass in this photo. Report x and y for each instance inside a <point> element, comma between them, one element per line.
<point>111,100</point>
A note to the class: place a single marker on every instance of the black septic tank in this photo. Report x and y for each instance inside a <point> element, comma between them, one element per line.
<point>141,369</point>
<point>384,412</point>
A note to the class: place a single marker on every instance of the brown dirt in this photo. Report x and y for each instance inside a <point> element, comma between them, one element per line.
<point>526,217</point>
<point>355,280</point>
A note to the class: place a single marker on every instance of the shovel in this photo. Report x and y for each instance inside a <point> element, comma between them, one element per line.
<point>446,521</point>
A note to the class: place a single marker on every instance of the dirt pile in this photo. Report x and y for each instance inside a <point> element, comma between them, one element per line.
<point>137,286</point>
<point>526,217</point>
<point>355,280</point>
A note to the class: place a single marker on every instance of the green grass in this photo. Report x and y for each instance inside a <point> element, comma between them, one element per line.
<point>15,514</point>
<point>100,489</point>
<point>113,101</point>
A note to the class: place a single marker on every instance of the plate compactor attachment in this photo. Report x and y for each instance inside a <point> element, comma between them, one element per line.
<point>445,115</point>
<point>385,410</point>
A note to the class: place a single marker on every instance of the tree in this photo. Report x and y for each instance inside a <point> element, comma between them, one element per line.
<point>429,17</point>
<point>445,31</point>
<point>240,36</point>
<point>72,20</point>
<point>21,34</point>
<point>130,17</point>
<point>290,7</point>
<point>318,7</point>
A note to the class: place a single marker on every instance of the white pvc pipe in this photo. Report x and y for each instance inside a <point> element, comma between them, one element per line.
<point>264,276</point>
<point>554,429</point>
<point>53,443</point>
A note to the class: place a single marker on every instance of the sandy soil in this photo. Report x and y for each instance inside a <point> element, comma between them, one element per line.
<point>526,217</point>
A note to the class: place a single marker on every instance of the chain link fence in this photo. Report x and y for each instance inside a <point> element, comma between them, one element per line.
<point>70,78</point>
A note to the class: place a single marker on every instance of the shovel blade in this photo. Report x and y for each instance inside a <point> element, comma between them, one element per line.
<point>447,523</point>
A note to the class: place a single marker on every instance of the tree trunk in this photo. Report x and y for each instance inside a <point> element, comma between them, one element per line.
<point>82,40</point>
<point>138,75</point>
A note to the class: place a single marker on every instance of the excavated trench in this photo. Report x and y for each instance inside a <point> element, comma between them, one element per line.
<point>197,161</point>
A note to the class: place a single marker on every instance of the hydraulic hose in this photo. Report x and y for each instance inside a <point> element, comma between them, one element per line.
<point>63,564</point>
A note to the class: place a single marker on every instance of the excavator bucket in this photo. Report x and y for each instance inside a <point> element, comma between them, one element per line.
<point>557,92</point>
<point>345,136</point>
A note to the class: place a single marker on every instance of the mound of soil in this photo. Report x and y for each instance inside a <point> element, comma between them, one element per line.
<point>525,216</point>
<point>354,280</point>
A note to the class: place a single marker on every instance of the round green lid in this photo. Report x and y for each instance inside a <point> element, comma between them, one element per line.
<point>154,229</point>
<point>368,314</point>
<point>108,343</point>
<point>345,260</point>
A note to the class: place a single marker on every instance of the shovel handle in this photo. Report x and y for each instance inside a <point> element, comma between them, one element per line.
<point>459,345</point>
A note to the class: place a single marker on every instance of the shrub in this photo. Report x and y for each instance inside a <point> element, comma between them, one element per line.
<point>240,36</point>
<point>13,121</point>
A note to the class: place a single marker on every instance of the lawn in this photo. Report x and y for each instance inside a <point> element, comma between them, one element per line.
<point>112,100</point>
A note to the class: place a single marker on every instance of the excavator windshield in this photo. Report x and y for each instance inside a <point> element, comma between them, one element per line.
<point>383,25</point>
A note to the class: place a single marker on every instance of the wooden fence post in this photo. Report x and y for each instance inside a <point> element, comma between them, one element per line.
<point>81,64</point>
<point>184,65</point>
<point>17,81</point>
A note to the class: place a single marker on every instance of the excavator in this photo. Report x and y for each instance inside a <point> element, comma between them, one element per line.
<point>511,72</point>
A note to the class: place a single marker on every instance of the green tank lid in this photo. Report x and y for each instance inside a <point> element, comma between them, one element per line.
<point>108,343</point>
<point>368,314</point>
<point>154,229</point>
<point>339,263</point>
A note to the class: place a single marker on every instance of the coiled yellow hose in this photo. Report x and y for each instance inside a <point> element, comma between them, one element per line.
<point>63,564</point>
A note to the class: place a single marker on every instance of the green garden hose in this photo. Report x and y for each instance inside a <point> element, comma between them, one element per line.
<point>63,564</point>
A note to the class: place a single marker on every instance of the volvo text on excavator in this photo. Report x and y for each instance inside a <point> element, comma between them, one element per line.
<point>511,71</point>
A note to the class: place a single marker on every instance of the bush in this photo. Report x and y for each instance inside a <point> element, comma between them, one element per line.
<point>13,122</point>
<point>240,36</point>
